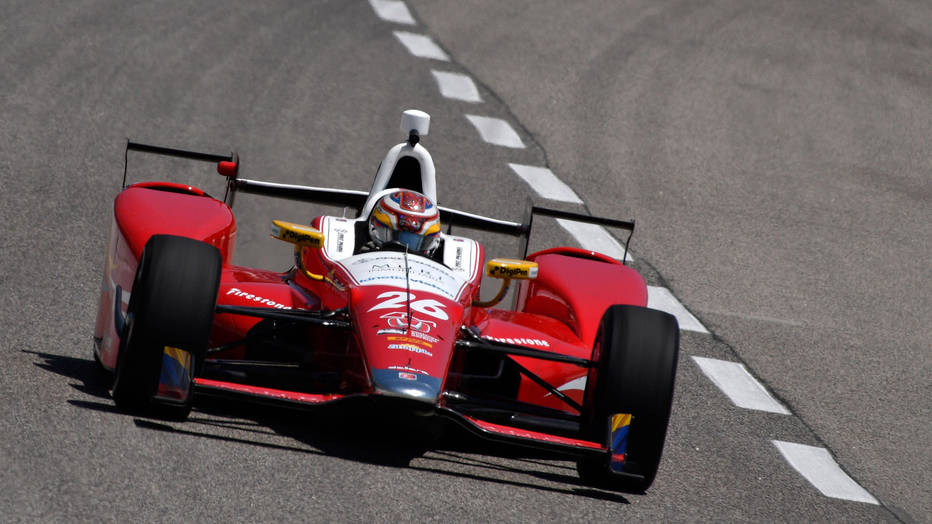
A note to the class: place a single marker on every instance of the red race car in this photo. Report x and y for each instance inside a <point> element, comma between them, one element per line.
<point>386,308</point>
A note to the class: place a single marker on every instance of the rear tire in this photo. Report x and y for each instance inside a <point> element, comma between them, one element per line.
<point>172,304</point>
<point>636,351</point>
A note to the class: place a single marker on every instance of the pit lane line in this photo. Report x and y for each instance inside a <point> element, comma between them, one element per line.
<point>815,464</point>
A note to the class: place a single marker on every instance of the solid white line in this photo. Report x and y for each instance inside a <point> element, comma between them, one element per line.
<point>421,46</point>
<point>661,298</point>
<point>392,11</point>
<point>742,388</point>
<point>496,131</point>
<point>545,183</point>
<point>820,469</point>
<point>458,86</point>
<point>595,238</point>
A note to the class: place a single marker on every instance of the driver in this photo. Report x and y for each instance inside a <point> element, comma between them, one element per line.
<point>405,220</point>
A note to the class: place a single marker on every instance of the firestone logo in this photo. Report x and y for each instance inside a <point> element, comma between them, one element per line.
<point>256,298</point>
<point>521,341</point>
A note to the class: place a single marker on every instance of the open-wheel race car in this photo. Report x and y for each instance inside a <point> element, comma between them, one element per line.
<point>385,308</point>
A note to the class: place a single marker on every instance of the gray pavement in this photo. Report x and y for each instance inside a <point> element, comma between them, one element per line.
<point>776,156</point>
<point>665,114</point>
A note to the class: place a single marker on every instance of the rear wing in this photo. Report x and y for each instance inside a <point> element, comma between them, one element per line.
<point>450,217</point>
<point>228,166</point>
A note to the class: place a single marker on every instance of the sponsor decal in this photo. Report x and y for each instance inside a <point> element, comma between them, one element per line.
<point>409,340</point>
<point>407,376</point>
<point>419,274</point>
<point>413,272</point>
<point>427,339</point>
<point>408,369</point>
<point>341,235</point>
<point>458,258</point>
<point>296,233</point>
<point>510,272</point>
<point>299,238</point>
<point>412,348</point>
<point>520,341</point>
<point>399,320</point>
<point>376,268</point>
<point>256,298</point>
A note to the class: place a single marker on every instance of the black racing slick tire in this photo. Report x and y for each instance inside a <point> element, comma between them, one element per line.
<point>171,304</point>
<point>636,352</point>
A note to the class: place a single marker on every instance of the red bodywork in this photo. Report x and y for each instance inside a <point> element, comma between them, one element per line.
<point>404,329</point>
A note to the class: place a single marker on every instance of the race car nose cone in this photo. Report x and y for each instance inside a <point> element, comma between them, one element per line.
<point>406,384</point>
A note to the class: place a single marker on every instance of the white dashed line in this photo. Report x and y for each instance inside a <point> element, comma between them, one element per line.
<point>815,464</point>
<point>421,46</point>
<point>595,238</point>
<point>661,298</point>
<point>742,388</point>
<point>820,469</point>
<point>496,131</point>
<point>392,11</point>
<point>545,183</point>
<point>458,86</point>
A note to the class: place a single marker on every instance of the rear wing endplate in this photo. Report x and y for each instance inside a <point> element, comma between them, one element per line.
<point>227,165</point>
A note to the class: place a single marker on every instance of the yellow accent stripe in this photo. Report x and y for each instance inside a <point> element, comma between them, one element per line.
<point>180,355</point>
<point>382,217</point>
<point>620,420</point>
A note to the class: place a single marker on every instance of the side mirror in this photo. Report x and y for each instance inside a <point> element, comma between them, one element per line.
<point>509,268</point>
<point>297,234</point>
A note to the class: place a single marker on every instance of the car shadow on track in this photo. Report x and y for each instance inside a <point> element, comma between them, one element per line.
<point>94,380</point>
<point>428,445</point>
<point>388,439</point>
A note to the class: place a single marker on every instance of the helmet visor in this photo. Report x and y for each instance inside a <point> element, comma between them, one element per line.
<point>413,241</point>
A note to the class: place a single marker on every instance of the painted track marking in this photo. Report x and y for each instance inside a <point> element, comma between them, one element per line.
<point>421,46</point>
<point>817,466</point>
<point>496,131</point>
<point>392,11</point>
<point>457,86</point>
<point>545,183</point>
<point>662,298</point>
<point>594,238</point>
<point>739,385</point>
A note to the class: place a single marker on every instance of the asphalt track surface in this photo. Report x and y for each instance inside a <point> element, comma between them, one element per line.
<point>776,157</point>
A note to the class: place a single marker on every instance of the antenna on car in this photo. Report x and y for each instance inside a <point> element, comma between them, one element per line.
<point>408,291</point>
<point>416,123</point>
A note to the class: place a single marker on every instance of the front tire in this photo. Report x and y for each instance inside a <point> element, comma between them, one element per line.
<point>172,305</point>
<point>636,351</point>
